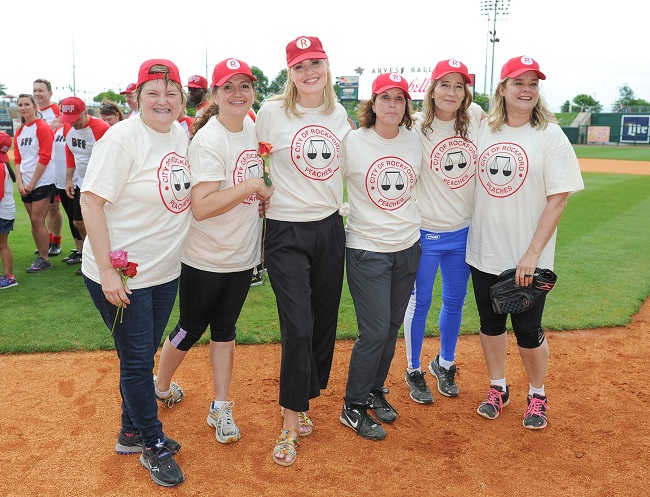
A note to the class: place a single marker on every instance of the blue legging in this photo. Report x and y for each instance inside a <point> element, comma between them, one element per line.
<point>447,251</point>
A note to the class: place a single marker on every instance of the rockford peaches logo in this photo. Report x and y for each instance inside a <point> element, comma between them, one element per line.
<point>249,165</point>
<point>315,152</point>
<point>174,182</point>
<point>502,169</point>
<point>454,161</point>
<point>389,183</point>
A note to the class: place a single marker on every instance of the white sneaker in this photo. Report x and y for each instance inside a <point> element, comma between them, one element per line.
<point>175,394</point>
<point>221,419</point>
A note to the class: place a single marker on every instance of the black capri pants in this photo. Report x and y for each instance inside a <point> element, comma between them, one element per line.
<point>526,325</point>
<point>207,298</point>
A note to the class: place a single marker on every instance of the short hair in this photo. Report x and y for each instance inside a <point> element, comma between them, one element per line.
<point>161,69</point>
<point>45,82</point>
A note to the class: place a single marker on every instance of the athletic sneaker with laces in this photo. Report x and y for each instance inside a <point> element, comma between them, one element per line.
<point>74,258</point>
<point>174,396</point>
<point>535,415</point>
<point>7,281</point>
<point>446,384</point>
<point>419,391</point>
<point>72,255</point>
<point>131,443</point>
<point>39,265</point>
<point>381,407</point>
<point>161,465</point>
<point>356,417</point>
<point>55,249</point>
<point>496,400</point>
<point>256,279</point>
<point>226,431</point>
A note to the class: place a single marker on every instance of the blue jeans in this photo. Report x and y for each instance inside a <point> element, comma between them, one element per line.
<point>445,250</point>
<point>137,339</point>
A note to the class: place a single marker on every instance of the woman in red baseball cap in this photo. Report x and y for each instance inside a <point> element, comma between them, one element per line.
<point>136,198</point>
<point>381,162</point>
<point>305,239</point>
<point>448,129</point>
<point>526,171</point>
<point>224,242</point>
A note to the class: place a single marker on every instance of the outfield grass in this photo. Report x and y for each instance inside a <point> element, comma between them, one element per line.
<point>602,261</point>
<point>621,152</point>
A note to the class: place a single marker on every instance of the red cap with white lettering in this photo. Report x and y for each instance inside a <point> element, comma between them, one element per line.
<point>389,80</point>
<point>519,65</point>
<point>5,145</point>
<point>445,67</point>
<point>71,109</point>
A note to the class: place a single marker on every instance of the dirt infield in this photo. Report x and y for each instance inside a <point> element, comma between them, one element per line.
<point>61,417</point>
<point>614,166</point>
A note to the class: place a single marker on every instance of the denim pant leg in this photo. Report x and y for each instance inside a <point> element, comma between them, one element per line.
<point>137,339</point>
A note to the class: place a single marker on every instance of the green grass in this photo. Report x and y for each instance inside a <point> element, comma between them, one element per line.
<point>566,118</point>
<point>622,152</point>
<point>602,261</point>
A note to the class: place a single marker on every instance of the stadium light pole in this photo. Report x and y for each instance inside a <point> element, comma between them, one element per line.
<point>493,9</point>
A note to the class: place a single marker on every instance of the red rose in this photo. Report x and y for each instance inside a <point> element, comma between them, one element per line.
<point>131,270</point>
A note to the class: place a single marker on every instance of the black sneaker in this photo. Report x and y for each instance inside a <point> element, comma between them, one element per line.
<point>162,467</point>
<point>39,265</point>
<point>55,249</point>
<point>381,407</point>
<point>420,392</point>
<point>256,279</point>
<point>131,443</point>
<point>496,400</point>
<point>535,415</point>
<point>68,257</point>
<point>446,384</point>
<point>356,417</point>
<point>73,258</point>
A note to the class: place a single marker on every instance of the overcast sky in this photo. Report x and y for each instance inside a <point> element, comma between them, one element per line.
<point>582,46</point>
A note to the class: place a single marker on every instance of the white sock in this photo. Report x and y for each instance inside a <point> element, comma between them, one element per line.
<point>539,391</point>
<point>499,383</point>
<point>216,404</point>
<point>410,370</point>
<point>444,363</point>
<point>162,394</point>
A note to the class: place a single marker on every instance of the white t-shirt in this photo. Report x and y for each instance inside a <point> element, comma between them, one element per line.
<point>33,146</point>
<point>445,189</point>
<point>145,177</point>
<point>381,175</point>
<point>58,158</point>
<point>7,202</point>
<point>517,169</point>
<point>232,241</point>
<point>79,146</point>
<point>304,165</point>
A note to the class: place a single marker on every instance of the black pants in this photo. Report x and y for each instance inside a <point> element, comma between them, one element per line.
<point>305,264</point>
<point>68,204</point>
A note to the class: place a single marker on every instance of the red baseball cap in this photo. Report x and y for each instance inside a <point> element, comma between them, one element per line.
<point>197,81</point>
<point>304,47</point>
<point>5,145</point>
<point>227,69</point>
<point>130,88</point>
<point>449,66</point>
<point>145,75</point>
<point>519,65</point>
<point>71,109</point>
<point>389,80</point>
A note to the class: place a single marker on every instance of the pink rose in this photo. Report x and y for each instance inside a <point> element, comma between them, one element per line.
<point>119,259</point>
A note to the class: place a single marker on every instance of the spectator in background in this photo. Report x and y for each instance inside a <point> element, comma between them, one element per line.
<point>110,112</point>
<point>42,91</point>
<point>85,130</point>
<point>123,192</point>
<point>185,121</point>
<point>35,179</point>
<point>131,99</point>
<point>197,87</point>
<point>7,213</point>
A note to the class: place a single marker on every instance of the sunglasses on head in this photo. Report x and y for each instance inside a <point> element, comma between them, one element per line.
<point>108,107</point>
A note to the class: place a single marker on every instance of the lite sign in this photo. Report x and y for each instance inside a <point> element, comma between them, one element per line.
<point>635,129</point>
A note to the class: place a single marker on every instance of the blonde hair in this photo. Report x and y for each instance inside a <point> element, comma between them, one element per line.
<point>540,117</point>
<point>290,95</point>
<point>161,69</point>
<point>461,124</point>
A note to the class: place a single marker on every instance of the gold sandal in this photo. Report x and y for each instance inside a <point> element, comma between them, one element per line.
<point>306,424</point>
<point>285,446</point>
